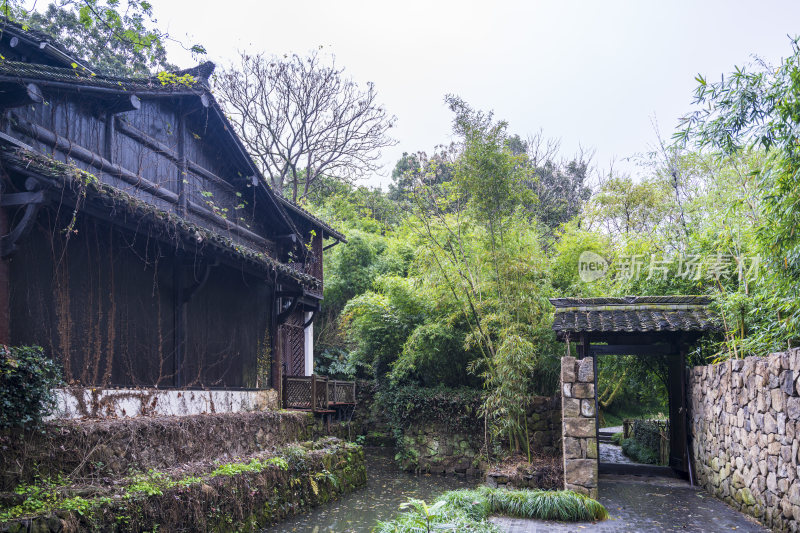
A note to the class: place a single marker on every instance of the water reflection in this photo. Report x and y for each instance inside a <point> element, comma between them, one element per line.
<point>387,487</point>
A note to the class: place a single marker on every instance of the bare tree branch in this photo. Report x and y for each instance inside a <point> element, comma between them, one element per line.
<point>301,119</point>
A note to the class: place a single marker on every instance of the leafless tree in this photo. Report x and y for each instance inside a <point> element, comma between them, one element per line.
<point>302,119</point>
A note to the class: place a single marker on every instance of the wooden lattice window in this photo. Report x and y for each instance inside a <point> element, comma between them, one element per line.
<point>294,345</point>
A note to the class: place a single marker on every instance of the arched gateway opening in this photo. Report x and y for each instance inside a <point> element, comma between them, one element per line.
<point>647,326</point>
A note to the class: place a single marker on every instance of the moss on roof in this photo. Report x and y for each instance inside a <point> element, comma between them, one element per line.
<point>634,314</point>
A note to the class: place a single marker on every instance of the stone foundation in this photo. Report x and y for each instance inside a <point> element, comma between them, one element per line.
<point>579,425</point>
<point>80,402</point>
<point>96,448</point>
<point>745,418</point>
<point>246,496</point>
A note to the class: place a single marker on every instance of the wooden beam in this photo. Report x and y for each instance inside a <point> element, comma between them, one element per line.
<point>628,349</point>
<point>90,158</point>
<point>16,95</point>
<point>122,104</point>
<point>96,160</point>
<point>31,202</point>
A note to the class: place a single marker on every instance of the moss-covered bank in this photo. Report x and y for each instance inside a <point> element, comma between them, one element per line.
<point>245,494</point>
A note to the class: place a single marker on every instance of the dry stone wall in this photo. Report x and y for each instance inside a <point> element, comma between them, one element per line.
<point>112,447</point>
<point>579,426</point>
<point>745,424</point>
<point>430,447</point>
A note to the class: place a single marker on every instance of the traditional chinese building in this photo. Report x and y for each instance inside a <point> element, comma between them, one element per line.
<point>139,244</point>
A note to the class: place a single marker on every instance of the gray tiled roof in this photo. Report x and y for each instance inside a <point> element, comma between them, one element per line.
<point>78,76</point>
<point>633,314</point>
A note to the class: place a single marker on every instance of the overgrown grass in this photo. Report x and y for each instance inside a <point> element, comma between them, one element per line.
<point>615,418</point>
<point>639,453</point>
<point>469,510</point>
<point>50,495</point>
<point>617,439</point>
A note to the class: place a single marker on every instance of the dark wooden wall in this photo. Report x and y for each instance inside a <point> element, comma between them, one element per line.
<point>146,144</point>
<point>103,305</point>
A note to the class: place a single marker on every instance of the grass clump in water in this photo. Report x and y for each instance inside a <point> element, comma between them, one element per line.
<point>469,510</point>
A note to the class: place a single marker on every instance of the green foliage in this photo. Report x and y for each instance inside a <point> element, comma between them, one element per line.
<point>420,515</point>
<point>759,108</point>
<point>152,483</point>
<point>27,380</point>
<point>378,324</point>
<point>434,354</point>
<point>645,442</point>
<point>112,40</point>
<point>469,510</point>
<point>571,242</point>
<point>617,438</point>
<point>639,453</point>
<point>255,465</point>
<point>410,405</point>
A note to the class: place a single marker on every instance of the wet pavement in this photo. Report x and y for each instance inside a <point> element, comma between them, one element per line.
<point>638,503</point>
<point>610,453</point>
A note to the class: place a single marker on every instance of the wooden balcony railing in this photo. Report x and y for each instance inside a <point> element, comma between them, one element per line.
<point>318,394</point>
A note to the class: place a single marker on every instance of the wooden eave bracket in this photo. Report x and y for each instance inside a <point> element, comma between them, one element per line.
<point>32,202</point>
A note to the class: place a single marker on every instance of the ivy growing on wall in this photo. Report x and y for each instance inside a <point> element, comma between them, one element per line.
<point>27,379</point>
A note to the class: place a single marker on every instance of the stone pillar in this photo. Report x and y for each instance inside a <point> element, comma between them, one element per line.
<point>579,425</point>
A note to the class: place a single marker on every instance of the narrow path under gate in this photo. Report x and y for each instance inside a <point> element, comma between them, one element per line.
<point>638,504</point>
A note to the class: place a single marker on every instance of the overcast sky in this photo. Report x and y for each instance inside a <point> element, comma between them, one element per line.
<point>590,73</point>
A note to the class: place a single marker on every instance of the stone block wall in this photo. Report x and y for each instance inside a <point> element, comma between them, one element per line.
<point>434,448</point>
<point>579,426</point>
<point>745,422</point>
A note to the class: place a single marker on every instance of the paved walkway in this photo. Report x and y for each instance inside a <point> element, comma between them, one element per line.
<point>610,453</point>
<point>647,504</point>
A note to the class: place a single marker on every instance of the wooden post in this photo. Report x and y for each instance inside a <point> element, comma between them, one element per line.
<point>108,144</point>
<point>313,392</point>
<point>584,346</point>
<point>179,318</point>
<point>5,287</point>
<point>182,168</point>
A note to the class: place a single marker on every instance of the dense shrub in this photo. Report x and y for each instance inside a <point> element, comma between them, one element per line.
<point>645,443</point>
<point>27,378</point>
<point>638,453</point>
<point>617,439</point>
<point>457,409</point>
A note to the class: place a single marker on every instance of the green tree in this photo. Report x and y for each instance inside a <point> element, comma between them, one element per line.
<point>760,107</point>
<point>114,41</point>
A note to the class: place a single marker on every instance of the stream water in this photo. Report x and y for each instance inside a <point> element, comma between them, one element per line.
<point>387,487</point>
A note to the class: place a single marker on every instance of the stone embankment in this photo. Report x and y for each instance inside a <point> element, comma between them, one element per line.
<point>201,473</point>
<point>745,417</point>
<point>97,448</point>
<point>434,448</point>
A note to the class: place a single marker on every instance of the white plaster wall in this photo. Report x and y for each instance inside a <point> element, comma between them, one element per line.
<point>309,346</point>
<point>118,403</point>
